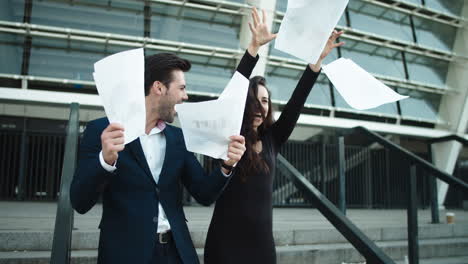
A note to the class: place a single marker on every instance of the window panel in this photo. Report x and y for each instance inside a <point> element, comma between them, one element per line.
<point>209,75</point>
<point>433,34</point>
<point>453,7</point>
<point>282,82</point>
<point>417,2</point>
<point>281,5</point>
<point>109,16</point>
<point>238,1</point>
<point>419,105</point>
<point>195,26</point>
<point>427,70</point>
<point>342,21</point>
<point>54,58</point>
<point>320,94</point>
<point>375,59</point>
<point>12,10</point>
<point>11,53</point>
<point>380,21</point>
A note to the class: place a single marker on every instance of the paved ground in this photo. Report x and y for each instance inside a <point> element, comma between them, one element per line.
<point>41,216</point>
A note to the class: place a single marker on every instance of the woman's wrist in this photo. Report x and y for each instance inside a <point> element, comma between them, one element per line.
<point>316,67</point>
<point>253,49</point>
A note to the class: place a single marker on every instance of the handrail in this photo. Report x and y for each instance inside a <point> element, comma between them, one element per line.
<point>462,140</point>
<point>412,216</point>
<point>353,234</point>
<point>412,157</point>
<point>61,246</point>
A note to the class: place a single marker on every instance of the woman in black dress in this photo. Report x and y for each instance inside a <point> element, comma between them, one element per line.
<point>241,231</point>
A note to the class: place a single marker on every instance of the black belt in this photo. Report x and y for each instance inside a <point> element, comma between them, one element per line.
<point>164,238</point>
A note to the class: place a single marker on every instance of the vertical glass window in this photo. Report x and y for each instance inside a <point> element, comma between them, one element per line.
<point>434,35</point>
<point>453,7</point>
<point>419,105</point>
<point>320,94</point>
<point>11,53</point>
<point>380,21</point>
<point>427,70</point>
<point>102,16</point>
<point>195,26</point>
<point>54,58</point>
<point>375,59</point>
<point>283,81</point>
<point>417,2</point>
<point>210,75</point>
<point>238,1</point>
<point>12,10</point>
<point>281,5</point>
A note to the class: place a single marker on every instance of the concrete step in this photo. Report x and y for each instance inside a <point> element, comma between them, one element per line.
<point>447,251</point>
<point>83,240</point>
<point>43,257</point>
<point>451,260</point>
<point>396,250</point>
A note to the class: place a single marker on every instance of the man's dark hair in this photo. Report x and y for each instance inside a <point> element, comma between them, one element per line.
<point>159,67</point>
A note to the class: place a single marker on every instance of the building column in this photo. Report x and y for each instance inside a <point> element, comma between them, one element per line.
<point>453,109</point>
<point>269,6</point>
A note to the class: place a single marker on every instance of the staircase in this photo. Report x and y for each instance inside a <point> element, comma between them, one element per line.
<point>301,235</point>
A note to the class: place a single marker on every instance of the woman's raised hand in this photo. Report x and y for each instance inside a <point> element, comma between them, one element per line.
<point>261,35</point>
<point>331,44</point>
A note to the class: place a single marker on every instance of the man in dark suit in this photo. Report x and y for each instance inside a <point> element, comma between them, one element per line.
<point>140,183</point>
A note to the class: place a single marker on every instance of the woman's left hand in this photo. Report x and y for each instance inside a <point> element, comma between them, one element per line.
<point>331,44</point>
<point>261,35</point>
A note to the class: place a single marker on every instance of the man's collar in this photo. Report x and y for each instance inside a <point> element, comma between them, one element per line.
<point>160,126</point>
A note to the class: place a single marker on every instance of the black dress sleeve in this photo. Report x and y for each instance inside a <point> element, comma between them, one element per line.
<point>282,129</point>
<point>247,64</point>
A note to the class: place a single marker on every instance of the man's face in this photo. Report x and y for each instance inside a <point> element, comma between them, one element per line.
<point>172,95</point>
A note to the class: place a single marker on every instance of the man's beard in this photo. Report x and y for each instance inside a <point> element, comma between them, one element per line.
<point>166,113</point>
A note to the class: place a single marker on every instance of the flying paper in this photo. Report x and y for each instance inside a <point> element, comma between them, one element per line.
<point>208,125</point>
<point>307,25</point>
<point>120,82</point>
<point>359,88</point>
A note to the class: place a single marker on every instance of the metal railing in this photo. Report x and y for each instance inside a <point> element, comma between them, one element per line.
<point>30,165</point>
<point>411,157</point>
<point>375,177</point>
<point>353,234</point>
<point>432,180</point>
<point>415,162</point>
<point>364,245</point>
<point>61,246</point>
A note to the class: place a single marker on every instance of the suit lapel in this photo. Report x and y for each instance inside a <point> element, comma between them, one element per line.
<point>137,150</point>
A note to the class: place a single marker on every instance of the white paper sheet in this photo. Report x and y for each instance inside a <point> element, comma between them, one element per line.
<point>359,88</point>
<point>120,81</point>
<point>208,125</point>
<point>307,25</point>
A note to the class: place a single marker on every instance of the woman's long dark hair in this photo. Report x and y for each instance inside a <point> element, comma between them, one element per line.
<point>252,162</point>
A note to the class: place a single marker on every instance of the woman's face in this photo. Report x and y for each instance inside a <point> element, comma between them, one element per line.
<point>263,98</point>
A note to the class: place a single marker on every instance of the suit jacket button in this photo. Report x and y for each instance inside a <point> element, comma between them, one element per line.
<point>155,219</point>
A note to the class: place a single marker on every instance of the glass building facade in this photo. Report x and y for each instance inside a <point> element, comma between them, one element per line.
<point>54,40</point>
